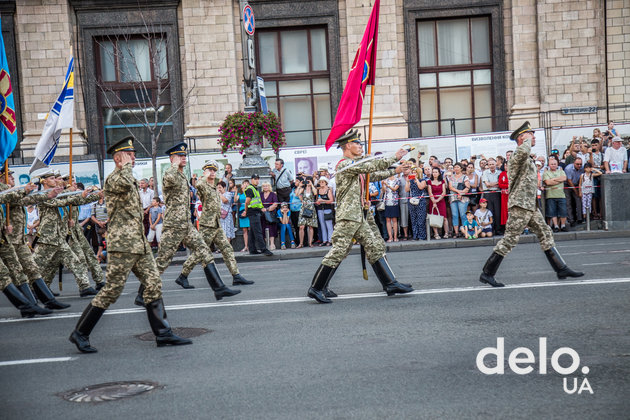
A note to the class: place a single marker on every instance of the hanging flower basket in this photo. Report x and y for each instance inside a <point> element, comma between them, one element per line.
<point>240,130</point>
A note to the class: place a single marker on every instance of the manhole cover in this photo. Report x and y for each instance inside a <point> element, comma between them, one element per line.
<point>182,332</point>
<point>109,391</point>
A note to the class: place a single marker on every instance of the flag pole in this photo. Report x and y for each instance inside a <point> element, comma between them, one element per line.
<point>6,181</point>
<point>367,180</point>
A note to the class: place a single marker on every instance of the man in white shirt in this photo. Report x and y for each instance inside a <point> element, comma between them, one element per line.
<point>616,157</point>
<point>490,188</point>
<point>146,195</point>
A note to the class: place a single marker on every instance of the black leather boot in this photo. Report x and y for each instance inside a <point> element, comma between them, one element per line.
<point>182,280</point>
<point>215,282</point>
<point>320,279</point>
<point>490,269</point>
<point>559,266</point>
<point>327,292</point>
<point>388,280</point>
<point>27,309</point>
<point>159,325</point>
<point>88,291</point>
<point>27,292</point>
<point>46,297</point>
<point>81,334</point>
<point>237,279</point>
<point>100,285</point>
<point>139,299</point>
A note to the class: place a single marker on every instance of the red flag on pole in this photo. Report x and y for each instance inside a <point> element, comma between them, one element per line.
<point>361,75</point>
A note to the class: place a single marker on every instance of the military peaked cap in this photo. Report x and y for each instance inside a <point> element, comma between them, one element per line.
<point>522,129</point>
<point>178,149</point>
<point>211,164</point>
<point>125,144</point>
<point>350,136</point>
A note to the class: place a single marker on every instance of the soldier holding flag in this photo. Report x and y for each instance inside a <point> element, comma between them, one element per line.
<point>351,221</point>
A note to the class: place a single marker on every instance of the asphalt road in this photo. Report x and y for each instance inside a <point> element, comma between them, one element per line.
<point>271,353</point>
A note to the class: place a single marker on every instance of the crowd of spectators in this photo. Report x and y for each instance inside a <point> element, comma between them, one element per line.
<point>444,199</point>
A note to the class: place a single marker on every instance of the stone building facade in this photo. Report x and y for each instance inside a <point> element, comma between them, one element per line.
<point>522,59</point>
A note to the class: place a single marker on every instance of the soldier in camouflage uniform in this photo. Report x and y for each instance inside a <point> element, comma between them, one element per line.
<point>523,181</point>
<point>177,227</point>
<point>18,256</point>
<point>12,292</point>
<point>210,228</point>
<point>351,221</point>
<point>52,246</point>
<point>128,250</point>
<point>81,247</point>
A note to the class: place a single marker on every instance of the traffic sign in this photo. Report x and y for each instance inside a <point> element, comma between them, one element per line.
<point>261,95</point>
<point>248,20</point>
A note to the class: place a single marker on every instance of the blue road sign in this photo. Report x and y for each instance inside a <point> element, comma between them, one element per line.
<point>248,20</point>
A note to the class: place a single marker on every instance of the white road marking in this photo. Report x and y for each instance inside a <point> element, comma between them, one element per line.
<point>32,361</point>
<point>61,315</point>
<point>617,251</point>
<point>600,263</point>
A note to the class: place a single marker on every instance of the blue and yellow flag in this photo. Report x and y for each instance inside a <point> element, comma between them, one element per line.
<point>60,116</point>
<point>8,124</point>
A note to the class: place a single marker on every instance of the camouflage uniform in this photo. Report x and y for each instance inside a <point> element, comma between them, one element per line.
<point>523,181</point>
<point>16,255</point>
<point>7,252</point>
<point>211,230</point>
<point>177,226</point>
<point>351,222</point>
<point>81,247</point>
<point>127,247</point>
<point>52,248</point>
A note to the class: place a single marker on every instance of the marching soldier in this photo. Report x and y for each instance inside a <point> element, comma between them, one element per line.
<point>16,253</point>
<point>81,247</point>
<point>52,246</point>
<point>351,221</point>
<point>523,181</point>
<point>128,250</point>
<point>178,228</point>
<point>12,292</point>
<point>210,228</point>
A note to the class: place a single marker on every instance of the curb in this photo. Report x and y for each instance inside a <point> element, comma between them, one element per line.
<point>319,252</point>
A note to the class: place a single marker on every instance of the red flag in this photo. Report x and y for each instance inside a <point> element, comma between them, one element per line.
<point>361,75</point>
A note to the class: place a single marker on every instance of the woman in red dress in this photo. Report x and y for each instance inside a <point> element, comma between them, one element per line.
<point>437,192</point>
<point>504,185</point>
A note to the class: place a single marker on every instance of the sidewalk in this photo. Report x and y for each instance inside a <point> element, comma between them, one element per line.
<point>319,252</point>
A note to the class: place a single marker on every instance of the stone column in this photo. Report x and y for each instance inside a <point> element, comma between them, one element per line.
<point>44,38</point>
<point>211,61</point>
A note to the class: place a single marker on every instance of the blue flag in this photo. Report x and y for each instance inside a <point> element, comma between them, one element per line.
<point>8,127</point>
<point>60,116</point>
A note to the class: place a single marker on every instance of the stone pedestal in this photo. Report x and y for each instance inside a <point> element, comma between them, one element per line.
<point>253,163</point>
<point>615,198</point>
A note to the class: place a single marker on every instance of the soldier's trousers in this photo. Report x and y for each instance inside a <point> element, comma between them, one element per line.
<point>342,236</point>
<point>10,260</point>
<point>518,220</point>
<point>84,251</point>
<point>49,257</point>
<point>119,265</point>
<point>171,238</point>
<point>5,277</point>
<point>25,256</point>
<point>217,237</point>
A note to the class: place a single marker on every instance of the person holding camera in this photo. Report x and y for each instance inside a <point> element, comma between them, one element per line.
<point>308,217</point>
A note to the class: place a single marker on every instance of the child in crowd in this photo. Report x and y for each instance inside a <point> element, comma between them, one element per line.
<point>484,218</point>
<point>155,221</point>
<point>586,187</point>
<point>470,228</point>
<point>284,216</point>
